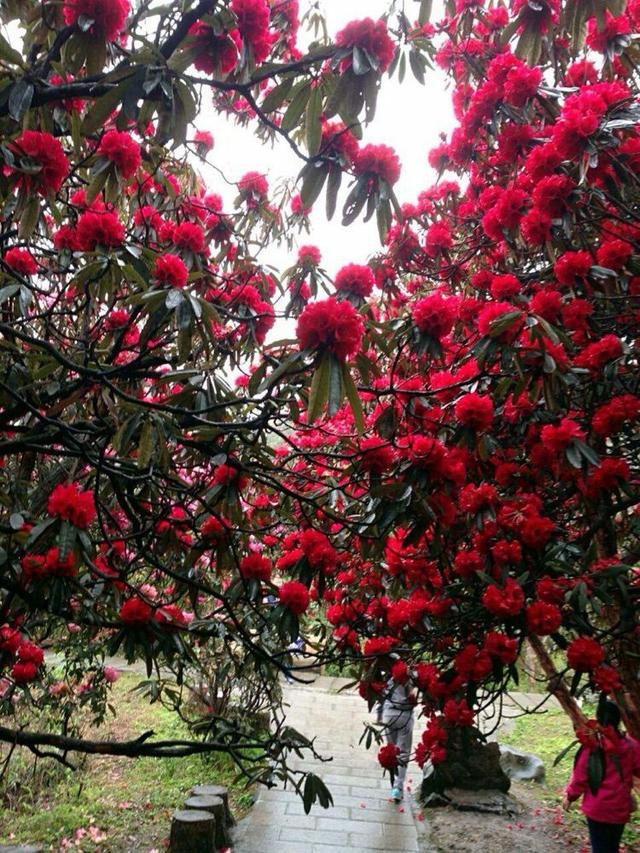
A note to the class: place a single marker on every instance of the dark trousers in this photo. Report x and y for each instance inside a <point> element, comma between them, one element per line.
<point>605,837</point>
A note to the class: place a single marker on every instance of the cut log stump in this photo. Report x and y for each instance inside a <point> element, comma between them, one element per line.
<point>215,807</point>
<point>216,791</point>
<point>192,831</point>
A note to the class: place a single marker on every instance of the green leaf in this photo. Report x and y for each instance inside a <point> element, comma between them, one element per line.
<point>319,392</point>
<point>563,753</point>
<point>424,15</point>
<point>595,769</point>
<point>277,96</point>
<point>313,121</point>
<point>146,444</point>
<point>103,107</point>
<point>8,54</point>
<point>333,187</point>
<point>296,108</point>
<point>314,176</point>
<point>96,186</point>
<point>336,390</point>
<point>66,539</point>
<point>353,397</point>
<point>29,218</point>
<point>20,99</point>
<point>359,62</point>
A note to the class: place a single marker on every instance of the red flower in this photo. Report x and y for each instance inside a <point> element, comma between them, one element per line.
<point>102,230</point>
<point>504,601</point>
<point>171,271</point>
<point>458,713</point>
<point>215,54</point>
<point>135,611</point>
<point>294,596</point>
<point>46,153</point>
<point>109,16</point>
<point>253,187</point>
<point>338,143</point>
<point>68,502</point>
<point>475,411</point>
<point>204,140</point>
<point>434,315</point>
<point>601,38</point>
<point>551,195</point>
<point>30,653</point>
<point>370,36</point>
<point>614,254</point>
<point>595,355</point>
<point>40,567</point>
<point>170,616</point>
<point>389,756</point>
<point>189,236</point>
<point>558,438</point>
<point>610,418</point>
<point>213,529</point>
<point>584,654</point>
<point>607,679</point>
<point>572,267</point>
<point>253,23</point>
<point>521,84</point>
<point>255,567</point>
<point>499,646</point>
<point>23,673</point>
<point>332,326</point>
<point>376,455</point>
<point>356,279</point>
<point>378,161</point>
<point>122,151</point>
<point>228,475</point>
<point>309,256</point>
<point>21,261</point>
<point>608,476</point>
<point>493,315</point>
<point>543,618</point>
<point>438,239</point>
<point>318,550</point>
<point>472,663</point>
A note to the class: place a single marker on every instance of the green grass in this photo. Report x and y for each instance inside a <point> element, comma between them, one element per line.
<point>130,801</point>
<point>546,735</point>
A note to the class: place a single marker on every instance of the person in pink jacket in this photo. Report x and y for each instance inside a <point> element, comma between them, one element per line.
<point>607,801</point>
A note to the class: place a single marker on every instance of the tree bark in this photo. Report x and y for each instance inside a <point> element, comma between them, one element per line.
<point>556,684</point>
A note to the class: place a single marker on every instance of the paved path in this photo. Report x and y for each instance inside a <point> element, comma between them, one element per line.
<point>362,819</point>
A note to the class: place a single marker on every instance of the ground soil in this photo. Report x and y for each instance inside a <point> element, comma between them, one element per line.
<point>539,829</point>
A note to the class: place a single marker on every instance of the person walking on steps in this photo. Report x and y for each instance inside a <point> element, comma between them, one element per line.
<point>603,775</point>
<point>396,715</point>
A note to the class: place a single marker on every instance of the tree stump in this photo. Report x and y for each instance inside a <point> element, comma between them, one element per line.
<point>214,806</point>
<point>216,791</point>
<point>192,831</point>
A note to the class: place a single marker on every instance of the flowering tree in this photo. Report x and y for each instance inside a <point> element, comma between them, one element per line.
<point>446,457</point>
<point>486,472</point>
<point>141,498</point>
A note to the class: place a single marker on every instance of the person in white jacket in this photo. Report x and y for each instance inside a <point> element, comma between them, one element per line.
<point>396,715</point>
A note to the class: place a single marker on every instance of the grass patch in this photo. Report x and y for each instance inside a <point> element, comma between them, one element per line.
<point>111,803</point>
<point>546,735</point>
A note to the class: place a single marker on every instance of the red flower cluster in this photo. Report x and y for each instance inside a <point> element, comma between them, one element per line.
<point>109,16</point>
<point>135,612</point>
<point>122,151</point>
<point>543,618</point>
<point>370,36</point>
<point>21,261</point>
<point>475,411</point>
<point>389,756</point>
<point>434,315</point>
<point>504,601</point>
<point>69,503</point>
<point>294,596</point>
<point>333,326</point>
<point>99,230</point>
<point>215,54</point>
<point>42,566</point>
<point>170,271</point>
<point>255,567</point>
<point>376,455</point>
<point>378,161</point>
<point>253,24</point>
<point>584,654</point>
<point>29,659</point>
<point>46,154</point>
<point>356,279</point>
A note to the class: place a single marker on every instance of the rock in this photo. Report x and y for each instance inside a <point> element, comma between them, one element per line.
<point>192,831</point>
<point>521,766</point>
<point>488,802</point>
<point>19,848</point>
<point>471,765</point>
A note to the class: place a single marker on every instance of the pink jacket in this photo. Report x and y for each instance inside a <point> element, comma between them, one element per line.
<point>612,803</point>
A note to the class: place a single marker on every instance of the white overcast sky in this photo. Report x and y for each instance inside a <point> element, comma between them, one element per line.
<point>409,117</point>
